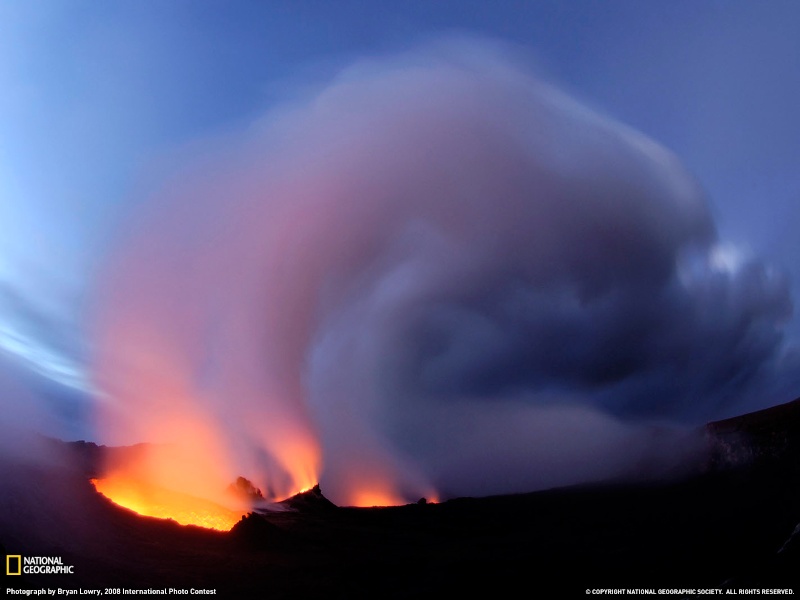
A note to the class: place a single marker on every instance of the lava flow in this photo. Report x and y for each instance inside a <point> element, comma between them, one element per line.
<point>155,501</point>
<point>187,480</point>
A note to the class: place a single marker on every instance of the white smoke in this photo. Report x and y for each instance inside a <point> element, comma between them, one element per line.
<point>440,275</point>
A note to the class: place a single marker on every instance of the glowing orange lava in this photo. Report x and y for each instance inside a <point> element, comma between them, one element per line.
<point>155,501</point>
<point>376,498</point>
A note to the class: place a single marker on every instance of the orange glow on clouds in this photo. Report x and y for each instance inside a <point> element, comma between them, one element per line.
<point>185,480</point>
<point>369,498</point>
<point>188,479</point>
<point>372,497</point>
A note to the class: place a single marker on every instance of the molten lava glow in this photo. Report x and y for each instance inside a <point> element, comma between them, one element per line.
<point>383,497</point>
<point>369,498</point>
<point>155,501</point>
<point>298,455</point>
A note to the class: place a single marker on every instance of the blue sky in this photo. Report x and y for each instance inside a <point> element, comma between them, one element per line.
<point>98,97</point>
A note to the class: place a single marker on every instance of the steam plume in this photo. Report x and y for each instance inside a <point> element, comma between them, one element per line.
<point>438,276</point>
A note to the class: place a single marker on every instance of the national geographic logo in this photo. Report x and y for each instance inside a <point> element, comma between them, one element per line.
<point>37,565</point>
<point>13,564</point>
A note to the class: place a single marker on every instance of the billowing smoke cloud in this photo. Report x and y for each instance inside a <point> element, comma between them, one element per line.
<point>438,276</point>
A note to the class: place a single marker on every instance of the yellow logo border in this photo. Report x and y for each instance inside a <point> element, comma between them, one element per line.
<point>8,564</point>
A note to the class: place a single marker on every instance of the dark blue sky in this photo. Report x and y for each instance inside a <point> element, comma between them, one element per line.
<point>98,99</point>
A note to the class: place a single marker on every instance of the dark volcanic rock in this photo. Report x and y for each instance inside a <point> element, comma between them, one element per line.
<point>791,547</point>
<point>310,500</point>
<point>764,440</point>
<point>256,533</point>
<point>92,459</point>
<point>244,488</point>
<point>731,526</point>
<point>757,455</point>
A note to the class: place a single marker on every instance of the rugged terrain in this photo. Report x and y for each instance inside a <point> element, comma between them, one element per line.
<point>729,524</point>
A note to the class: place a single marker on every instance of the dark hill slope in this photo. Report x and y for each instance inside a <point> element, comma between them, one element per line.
<point>730,525</point>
